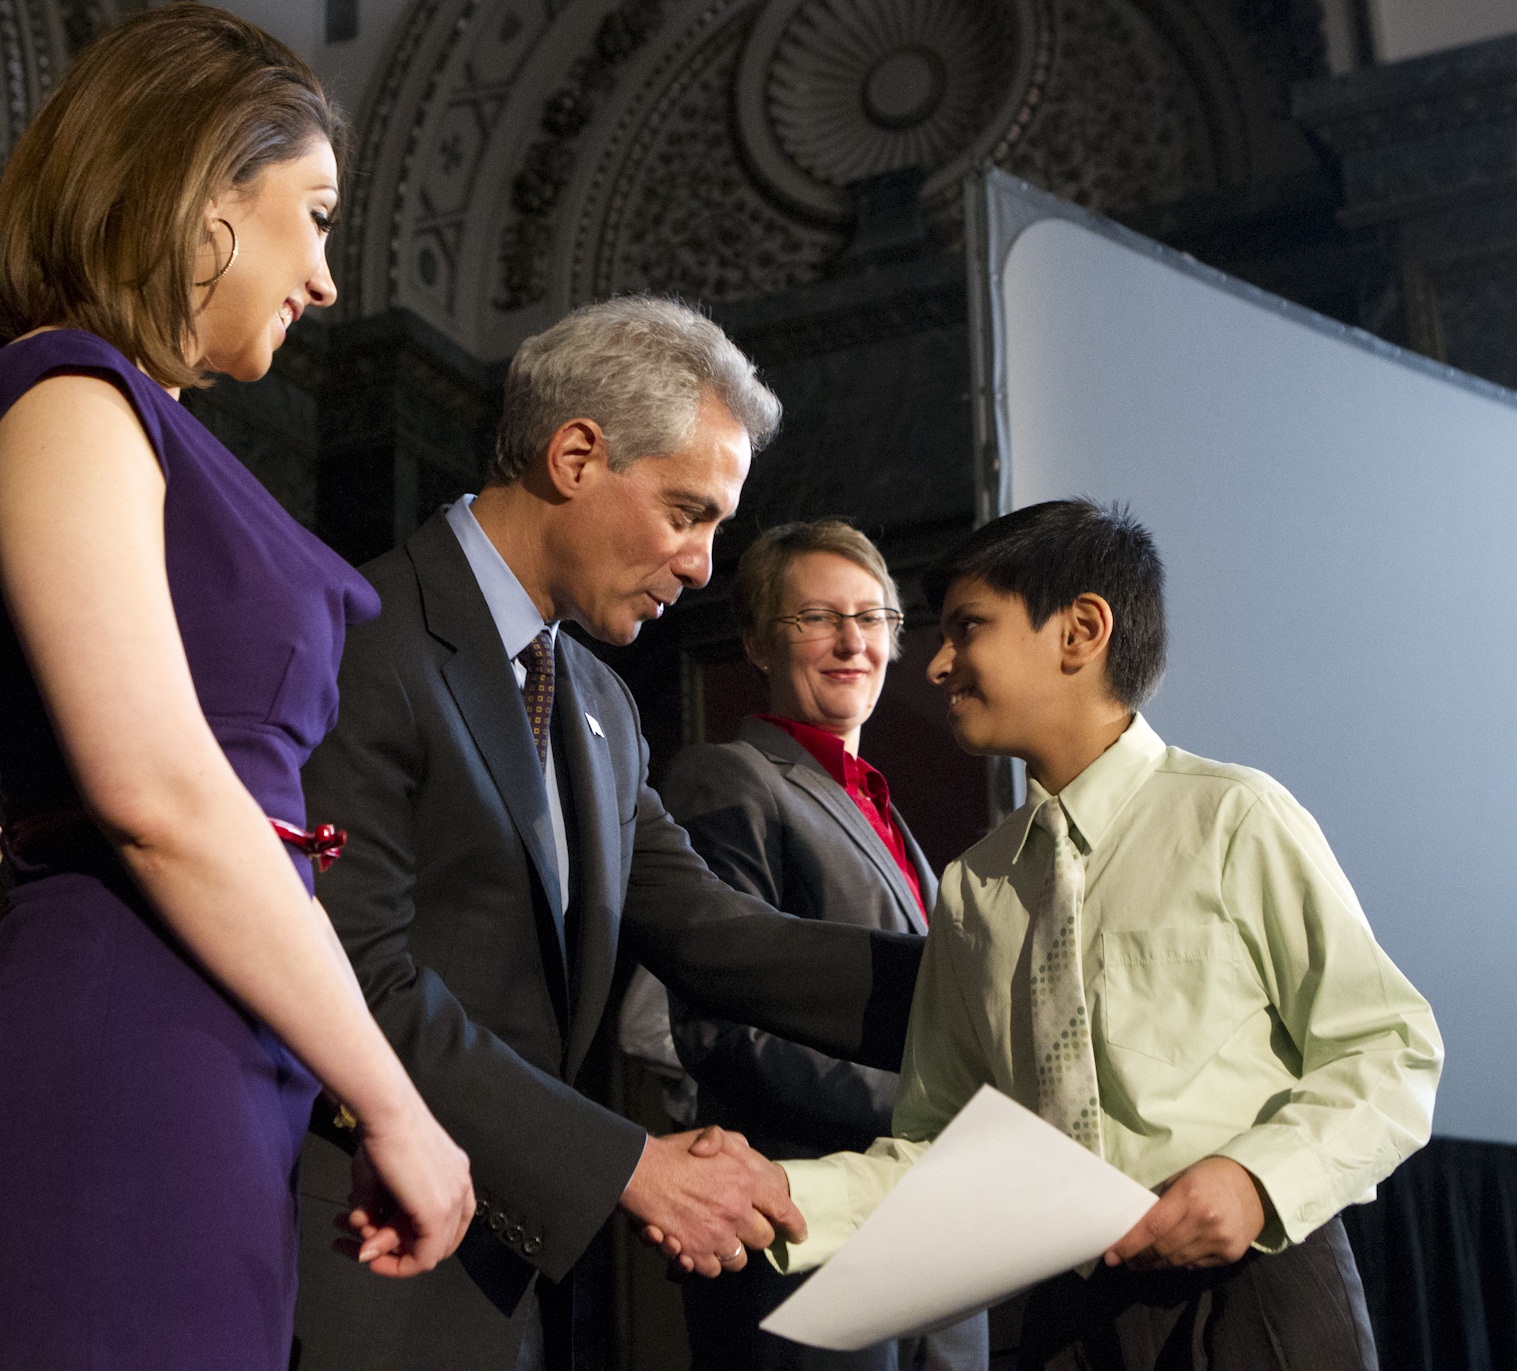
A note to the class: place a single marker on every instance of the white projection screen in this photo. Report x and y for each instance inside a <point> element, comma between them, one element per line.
<point>1337,521</point>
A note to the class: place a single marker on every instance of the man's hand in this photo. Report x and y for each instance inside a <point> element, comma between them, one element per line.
<point>705,1197</point>
<point>1207,1215</point>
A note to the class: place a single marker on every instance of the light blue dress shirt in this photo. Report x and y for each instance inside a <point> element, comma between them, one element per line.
<point>518,623</point>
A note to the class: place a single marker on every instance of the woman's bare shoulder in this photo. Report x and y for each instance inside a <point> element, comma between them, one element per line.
<point>73,422</point>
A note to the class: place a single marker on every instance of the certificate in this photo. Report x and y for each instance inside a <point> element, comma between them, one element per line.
<point>1001,1201</point>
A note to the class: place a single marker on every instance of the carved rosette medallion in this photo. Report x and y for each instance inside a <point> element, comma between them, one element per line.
<point>830,92</point>
<point>519,159</point>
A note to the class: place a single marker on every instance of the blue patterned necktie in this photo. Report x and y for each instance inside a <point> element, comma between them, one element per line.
<point>1068,1096</point>
<point>537,691</point>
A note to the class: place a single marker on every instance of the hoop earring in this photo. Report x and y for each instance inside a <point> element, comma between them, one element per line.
<point>229,260</point>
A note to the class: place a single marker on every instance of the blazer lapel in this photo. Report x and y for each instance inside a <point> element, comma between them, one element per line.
<point>588,760</point>
<point>483,685</point>
<point>804,771</point>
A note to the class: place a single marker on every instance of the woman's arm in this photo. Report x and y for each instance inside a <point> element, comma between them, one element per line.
<point>83,575</point>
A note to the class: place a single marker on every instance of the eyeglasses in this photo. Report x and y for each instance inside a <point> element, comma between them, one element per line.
<point>812,625</point>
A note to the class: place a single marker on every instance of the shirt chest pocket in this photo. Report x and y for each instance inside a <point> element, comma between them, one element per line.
<point>1176,994</point>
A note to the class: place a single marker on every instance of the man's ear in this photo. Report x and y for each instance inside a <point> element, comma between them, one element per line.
<point>1087,626</point>
<point>573,451</point>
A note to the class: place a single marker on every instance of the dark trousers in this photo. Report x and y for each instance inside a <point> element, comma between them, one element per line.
<point>1298,1310</point>
<point>722,1318</point>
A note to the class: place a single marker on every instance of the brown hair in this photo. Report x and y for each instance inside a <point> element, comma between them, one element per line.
<point>102,205</point>
<point>760,584</point>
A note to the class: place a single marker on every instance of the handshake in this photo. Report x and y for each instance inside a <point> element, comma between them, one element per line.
<point>703,1198</point>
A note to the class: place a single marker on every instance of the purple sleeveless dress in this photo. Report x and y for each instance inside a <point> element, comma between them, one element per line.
<point>149,1129</point>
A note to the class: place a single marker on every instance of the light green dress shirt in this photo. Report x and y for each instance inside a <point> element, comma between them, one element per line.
<point>1239,1004</point>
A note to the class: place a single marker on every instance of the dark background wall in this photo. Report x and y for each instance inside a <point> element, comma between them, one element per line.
<point>1383,197</point>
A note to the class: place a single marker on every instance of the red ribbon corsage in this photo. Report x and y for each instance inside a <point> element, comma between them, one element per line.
<point>323,843</point>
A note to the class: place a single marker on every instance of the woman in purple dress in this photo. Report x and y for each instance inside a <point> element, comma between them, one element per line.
<point>170,995</point>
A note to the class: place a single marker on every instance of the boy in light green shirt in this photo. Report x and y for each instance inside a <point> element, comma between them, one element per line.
<point>1160,955</point>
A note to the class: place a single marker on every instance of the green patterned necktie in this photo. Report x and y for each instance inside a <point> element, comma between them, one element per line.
<point>537,691</point>
<point>1068,1097</point>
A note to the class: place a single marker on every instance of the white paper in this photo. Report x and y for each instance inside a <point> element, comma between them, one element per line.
<point>1001,1201</point>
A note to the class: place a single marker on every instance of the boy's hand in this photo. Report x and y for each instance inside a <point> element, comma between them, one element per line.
<point>1207,1215</point>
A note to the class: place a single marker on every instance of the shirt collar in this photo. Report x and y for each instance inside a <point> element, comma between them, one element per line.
<point>826,747</point>
<point>1098,794</point>
<point>516,617</point>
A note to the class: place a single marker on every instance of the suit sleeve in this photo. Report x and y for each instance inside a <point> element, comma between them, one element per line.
<point>944,1067</point>
<point>549,1165</point>
<point>722,798</point>
<point>843,990</point>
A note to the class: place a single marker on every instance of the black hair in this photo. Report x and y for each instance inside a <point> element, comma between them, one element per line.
<point>1050,554</point>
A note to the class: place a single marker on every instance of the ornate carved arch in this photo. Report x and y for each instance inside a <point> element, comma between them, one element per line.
<point>522,157</point>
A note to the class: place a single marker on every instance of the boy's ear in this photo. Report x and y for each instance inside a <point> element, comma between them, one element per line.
<point>1087,626</point>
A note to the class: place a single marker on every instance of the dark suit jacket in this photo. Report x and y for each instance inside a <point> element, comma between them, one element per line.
<point>447,901</point>
<point>769,820</point>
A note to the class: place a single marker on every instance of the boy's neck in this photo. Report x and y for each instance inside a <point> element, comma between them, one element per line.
<point>1077,745</point>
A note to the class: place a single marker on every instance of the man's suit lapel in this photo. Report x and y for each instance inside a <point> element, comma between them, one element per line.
<point>803,770</point>
<point>588,760</point>
<point>483,686</point>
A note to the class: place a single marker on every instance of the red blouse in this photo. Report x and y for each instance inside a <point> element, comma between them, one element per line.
<point>866,787</point>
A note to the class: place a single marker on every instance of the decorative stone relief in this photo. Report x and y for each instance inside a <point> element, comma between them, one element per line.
<point>1088,99</point>
<point>523,155</point>
<point>832,91</point>
<point>682,213</point>
<point>1121,121</point>
<point>417,165</point>
<point>358,248</point>
<point>551,159</point>
<point>859,87</point>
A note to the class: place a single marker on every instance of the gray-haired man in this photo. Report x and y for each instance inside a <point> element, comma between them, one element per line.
<point>504,840</point>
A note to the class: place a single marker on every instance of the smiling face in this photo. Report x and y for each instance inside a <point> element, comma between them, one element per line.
<point>635,539</point>
<point>282,221</point>
<point>1005,680</point>
<point>833,681</point>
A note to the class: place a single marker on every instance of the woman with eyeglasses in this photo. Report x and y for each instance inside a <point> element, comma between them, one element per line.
<point>791,813</point>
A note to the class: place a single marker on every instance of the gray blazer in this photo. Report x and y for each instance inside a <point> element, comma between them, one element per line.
<point>769,820</point>
<point>492,985</point>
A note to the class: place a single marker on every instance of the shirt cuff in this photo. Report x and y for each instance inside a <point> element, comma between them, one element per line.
<point>1292,1179</point>
<point>820,1191</point>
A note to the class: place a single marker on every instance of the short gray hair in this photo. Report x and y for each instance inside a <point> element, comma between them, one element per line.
<point>638,366</point>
